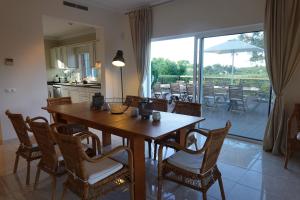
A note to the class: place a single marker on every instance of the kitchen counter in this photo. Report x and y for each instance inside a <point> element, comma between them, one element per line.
<point>88,85</point>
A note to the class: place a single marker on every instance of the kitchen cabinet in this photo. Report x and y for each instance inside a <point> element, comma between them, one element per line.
<point>59,57</point>
<point>79,94</point>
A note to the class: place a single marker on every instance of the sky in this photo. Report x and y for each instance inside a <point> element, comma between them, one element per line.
<point>183,49</point>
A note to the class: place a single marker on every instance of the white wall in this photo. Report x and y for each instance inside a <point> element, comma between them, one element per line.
<point>21,38</point>
<point>191,16</point>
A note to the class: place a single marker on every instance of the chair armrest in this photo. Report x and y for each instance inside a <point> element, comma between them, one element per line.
<point>199,131</point>
<point>110,153</point>
<point>176,146</point>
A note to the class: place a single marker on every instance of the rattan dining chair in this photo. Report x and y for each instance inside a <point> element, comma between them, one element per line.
<point>88,177</point>
<point>293,134</point>
<point>51,162</point>
<point>158,105</point>
<point>72,128</point>
<point>185,108</point>
<point>132,101</point>
<point>195,169</point>
<point>27,149</point>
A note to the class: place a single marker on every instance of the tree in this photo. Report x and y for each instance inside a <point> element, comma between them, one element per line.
<point>256,39</point>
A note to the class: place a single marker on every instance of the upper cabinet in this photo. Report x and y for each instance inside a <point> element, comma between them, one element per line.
<point>65,57</point>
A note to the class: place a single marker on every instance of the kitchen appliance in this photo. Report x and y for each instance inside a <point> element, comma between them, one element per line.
<point>57,91</point>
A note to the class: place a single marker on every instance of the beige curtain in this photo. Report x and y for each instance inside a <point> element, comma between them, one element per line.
<point>282,43</point>
<point>141,33</point>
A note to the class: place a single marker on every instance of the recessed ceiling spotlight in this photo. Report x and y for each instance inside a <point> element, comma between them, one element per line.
<point>70,23</point>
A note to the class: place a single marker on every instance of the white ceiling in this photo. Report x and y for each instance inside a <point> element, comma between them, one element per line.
<point>55,28</point>
<point>122,5</point>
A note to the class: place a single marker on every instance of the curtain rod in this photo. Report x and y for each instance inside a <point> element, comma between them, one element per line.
<point>152,6</point>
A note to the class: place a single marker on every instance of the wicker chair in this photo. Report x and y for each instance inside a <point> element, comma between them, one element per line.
<point>72,128</point>
<point>175,91</point>
<point>185,108</point>
<point>26,149</point>
<point>51,162</point>
<point>132,101</point>
<point>91,177</point>
<point>190,92</point>
<point>195,169</point>
<point>157,93</point>
<point>293,139</point>
<point>159,105</point>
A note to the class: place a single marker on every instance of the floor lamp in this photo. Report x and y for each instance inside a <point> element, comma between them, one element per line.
<point>119,61</point>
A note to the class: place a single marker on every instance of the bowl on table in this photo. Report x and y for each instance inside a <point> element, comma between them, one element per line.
<point>117,108</point>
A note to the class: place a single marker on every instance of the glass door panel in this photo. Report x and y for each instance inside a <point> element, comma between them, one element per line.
<point>235,84</point>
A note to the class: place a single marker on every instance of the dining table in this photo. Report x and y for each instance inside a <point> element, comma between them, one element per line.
<point>135,129</point>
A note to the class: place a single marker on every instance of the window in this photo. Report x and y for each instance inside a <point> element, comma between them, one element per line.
<point>87,71</point>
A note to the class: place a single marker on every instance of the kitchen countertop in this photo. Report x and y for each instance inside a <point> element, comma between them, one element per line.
<point>88,85</point>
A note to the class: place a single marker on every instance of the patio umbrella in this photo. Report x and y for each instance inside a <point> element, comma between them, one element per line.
<point>232,46</point>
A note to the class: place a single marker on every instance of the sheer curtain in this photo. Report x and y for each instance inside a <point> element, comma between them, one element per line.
<point>141,33</point>
<point>282,43</point>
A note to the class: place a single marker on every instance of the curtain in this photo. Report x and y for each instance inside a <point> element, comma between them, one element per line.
<point>141,33</point>
<point>282,47</point>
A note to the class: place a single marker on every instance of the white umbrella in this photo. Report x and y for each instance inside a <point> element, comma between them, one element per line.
<point>232,46</point>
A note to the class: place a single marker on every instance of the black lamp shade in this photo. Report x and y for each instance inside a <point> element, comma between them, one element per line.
<point>119,60</point>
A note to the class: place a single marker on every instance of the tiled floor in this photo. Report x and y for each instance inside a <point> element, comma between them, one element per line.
<point>248,174</point>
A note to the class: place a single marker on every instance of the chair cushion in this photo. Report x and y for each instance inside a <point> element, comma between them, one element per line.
<point>100,170</point>
<point>186,161</point>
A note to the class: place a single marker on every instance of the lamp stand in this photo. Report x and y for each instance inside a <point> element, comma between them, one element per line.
<point>121,83</point>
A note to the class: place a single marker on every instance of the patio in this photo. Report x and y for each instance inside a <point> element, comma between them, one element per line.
<point>248,119</point>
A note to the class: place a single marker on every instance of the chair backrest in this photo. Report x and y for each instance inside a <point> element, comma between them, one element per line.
<point>72,151</point>
<point>58,101</point>
<point>159,104</point>
<point>214,144</point>
<point>20,127</point>
<point>132,101</point>
<point>208,90</point>
<point>190,89</point>
<point>175,88</point>
<point>187,108</point>
<point>45,139</point>
<point>236,91</point>
<point>156,87</point>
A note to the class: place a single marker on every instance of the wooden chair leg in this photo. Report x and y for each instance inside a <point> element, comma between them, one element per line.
<point>123,141</point>
<point>159,189</point>
<point>204,196</point>
<point>149,149</point>
<point>221,188</point>
<point>53,187</point>
<point>64,192</point>
<point>131,190</point>
<point>286,158</point>
<point>155,150</point>
<point>28,173</point>
<point>37,177</point>
<point>16,163</point>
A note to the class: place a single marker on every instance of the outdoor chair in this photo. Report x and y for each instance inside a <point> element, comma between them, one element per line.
<point>90,178</point>
<point>175,91</point>
<point>293,134</point>
<point>195,169</point>
<point>190,92</point>
<point>237,100</point>
<point>27,149</point>
<point>209,95</point>
<point>157,93</point>
<point>185,108</point>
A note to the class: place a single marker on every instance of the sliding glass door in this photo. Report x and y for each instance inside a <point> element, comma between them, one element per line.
<point>226,74</point>
<point>235,84</point>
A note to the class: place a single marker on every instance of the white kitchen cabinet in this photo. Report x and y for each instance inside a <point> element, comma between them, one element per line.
<point>65,91</point>
<point>53,58</point>
<point>71,58</point>
<point>59,57</point>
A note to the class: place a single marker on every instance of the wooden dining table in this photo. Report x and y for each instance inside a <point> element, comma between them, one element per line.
<point>133,128</point>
